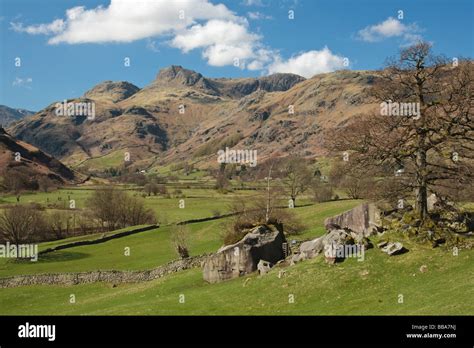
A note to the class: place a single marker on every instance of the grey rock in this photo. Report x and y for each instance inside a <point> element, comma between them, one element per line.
<point>394,248</point>
<point>363,219</point>
<point>312,248</point>
<point>263,267</point>
<point>263,242</point>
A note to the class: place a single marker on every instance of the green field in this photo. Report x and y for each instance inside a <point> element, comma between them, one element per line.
<point>371,287</point>
<point>150,248</point>
<point>350,288</point>
<point>198,203</point>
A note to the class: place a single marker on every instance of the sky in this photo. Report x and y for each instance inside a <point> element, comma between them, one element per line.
<point>51,50</point>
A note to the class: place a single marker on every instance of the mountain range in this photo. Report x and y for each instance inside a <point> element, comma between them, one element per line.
<point>183,116</point>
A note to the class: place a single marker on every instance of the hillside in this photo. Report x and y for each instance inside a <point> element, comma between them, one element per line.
<point>183,115</point>
<point>31,161</point>
<point>9,115</point>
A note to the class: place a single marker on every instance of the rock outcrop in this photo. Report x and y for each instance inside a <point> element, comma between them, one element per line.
<point>363,219</point>
<point>263,242</point>
<point>336,245</point>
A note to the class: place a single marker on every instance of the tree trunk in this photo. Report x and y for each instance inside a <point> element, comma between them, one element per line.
<point>421,185</point>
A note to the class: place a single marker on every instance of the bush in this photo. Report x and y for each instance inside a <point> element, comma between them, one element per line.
<point>322,193</point>
<point>179,237</point>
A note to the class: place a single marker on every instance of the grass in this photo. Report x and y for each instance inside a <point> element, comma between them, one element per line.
<point>150,248</point>
<point>198,203</point>
<point>59,198</point>
<point>112,160</point>
<point>371,287</point>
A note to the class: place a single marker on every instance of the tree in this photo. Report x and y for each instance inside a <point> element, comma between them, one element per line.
<point>425,140</point>
<point>15,181</point>
<point>105,206</point>
<point>115,208</point>
<point>133,212</point>
<point>356,183</point>
<point>297,176</point>
<point>21,224</point>
<point>59,223</point>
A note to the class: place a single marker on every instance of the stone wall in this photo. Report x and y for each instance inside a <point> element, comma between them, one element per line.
<point>103,276</point>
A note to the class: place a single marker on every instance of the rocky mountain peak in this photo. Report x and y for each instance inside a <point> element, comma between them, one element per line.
<point>112,90</point>
<point>178,74</point>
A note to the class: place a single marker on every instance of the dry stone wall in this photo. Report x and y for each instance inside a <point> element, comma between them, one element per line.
<point>115,277</point>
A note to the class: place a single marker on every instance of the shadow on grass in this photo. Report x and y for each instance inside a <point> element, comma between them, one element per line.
<point>57,256</point>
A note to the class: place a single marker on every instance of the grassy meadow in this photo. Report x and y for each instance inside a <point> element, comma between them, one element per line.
<point>370,287</point>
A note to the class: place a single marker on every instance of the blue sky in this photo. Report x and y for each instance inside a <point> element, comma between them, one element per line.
<point>63,55</point>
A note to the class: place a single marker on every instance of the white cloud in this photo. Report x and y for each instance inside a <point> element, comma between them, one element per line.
<point>222,42</point>
<point>308,64</point>
<point>19,82</point>
<point>214,32</point>
<point>390,28</point>
<point>54,27</point>
<point>126,21</point>
<point>221,36</point>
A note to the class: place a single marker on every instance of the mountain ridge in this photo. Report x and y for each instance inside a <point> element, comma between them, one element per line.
<point>9,115</point>
<point>182,116</point>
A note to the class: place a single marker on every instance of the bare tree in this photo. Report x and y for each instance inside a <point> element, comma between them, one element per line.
<point>297,176</point>
<point>115,208</point>
<point>424,150</point>
<point>59,223</point>
<point>21,224</point>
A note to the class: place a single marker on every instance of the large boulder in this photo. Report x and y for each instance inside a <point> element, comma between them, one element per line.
<point>312,248</point>
<point>333,245</point>
<point>263,242</point>
<point>363,219</point>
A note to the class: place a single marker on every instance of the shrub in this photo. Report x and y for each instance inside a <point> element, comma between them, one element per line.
<point>179,237</point>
